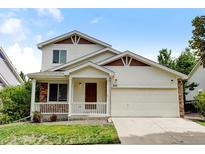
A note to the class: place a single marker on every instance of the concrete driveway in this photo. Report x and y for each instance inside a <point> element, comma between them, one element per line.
<point>159,131</point>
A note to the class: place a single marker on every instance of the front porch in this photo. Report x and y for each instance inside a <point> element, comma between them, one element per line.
<point>77,108</point>
<point>73,96</point>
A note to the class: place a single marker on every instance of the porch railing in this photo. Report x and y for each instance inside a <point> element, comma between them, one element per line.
<point>88,108</point>
<point>77,108</point>
<point>52,108</point>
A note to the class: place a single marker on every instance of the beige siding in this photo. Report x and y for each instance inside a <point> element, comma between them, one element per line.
<point>93,59</point>
<point>89,72</point>
<point>143,76</point>
<point>199,78</point>
<point>79,89</point>
<point>73,52</point>
<point>144,102</point>
<point>8,75</point>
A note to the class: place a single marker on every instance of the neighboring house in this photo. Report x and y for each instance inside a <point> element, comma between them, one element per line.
<point>197,75</point>
<point>81,75</point>
<point>8,73</point>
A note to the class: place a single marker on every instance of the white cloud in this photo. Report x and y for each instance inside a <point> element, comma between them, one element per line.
<point>25,59</point>
<point>13,27</point>
<point>54,13</point>
<point>96,20</point>
<point>10,26</point>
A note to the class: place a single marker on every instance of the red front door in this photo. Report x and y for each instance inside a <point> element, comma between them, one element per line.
<point>90,95</point>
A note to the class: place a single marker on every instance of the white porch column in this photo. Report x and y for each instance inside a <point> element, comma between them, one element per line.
<point>108,97</point>
<point>33,92</point>
<point>70,94</point>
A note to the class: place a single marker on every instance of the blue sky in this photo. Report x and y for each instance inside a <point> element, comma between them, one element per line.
<point>143,31</point>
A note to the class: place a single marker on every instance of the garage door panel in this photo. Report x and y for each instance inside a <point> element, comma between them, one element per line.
<point>143,102</point>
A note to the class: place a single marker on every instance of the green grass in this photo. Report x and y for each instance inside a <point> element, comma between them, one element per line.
<point>58,134</point>
<point>200,122</point>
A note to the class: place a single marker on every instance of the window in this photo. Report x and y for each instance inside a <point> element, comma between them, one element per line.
<point>59,56</point>
<point>58,92</point>
<point>55,56</point>
<point>62,94</point>
<point>53,92</point>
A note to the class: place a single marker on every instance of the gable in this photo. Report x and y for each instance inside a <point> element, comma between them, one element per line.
<point>126,61</point>
<point>115,63</point>
<point>88,72</point>
<point>140,61</point>
<point>74,39</point>
<point>137,63</point>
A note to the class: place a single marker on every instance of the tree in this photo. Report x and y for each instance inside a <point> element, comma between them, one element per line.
<point>23,77</point>
<point>165,58</point>
<point>187,87</point>
<point>197,42</point>
<point>185,62</point>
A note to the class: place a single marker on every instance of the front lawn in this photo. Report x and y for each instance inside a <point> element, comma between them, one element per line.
<point>58,134</point>
<point>201,122</point>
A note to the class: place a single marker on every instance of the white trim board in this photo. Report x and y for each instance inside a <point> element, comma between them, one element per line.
<point>2,79</point>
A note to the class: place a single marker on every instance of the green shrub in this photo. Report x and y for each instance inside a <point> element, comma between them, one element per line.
<point>37,117</point>
<point>199,103</point>
<point>16,102</point>
<point>4,119</point>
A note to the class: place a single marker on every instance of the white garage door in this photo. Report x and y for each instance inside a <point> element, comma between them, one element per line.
<point>144,102</point>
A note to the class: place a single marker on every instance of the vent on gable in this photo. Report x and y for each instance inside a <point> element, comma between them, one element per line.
<point>126,61</point>
<point>74,39</point>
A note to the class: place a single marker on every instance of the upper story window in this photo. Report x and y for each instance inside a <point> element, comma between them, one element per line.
<point>59,56</point>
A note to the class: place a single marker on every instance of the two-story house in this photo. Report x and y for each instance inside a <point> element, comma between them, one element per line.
<point>8,73</point>
<point>81,75</point>
<point>197,75</point>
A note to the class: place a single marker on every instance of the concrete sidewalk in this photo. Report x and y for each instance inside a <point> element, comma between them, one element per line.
<point>159,131</point>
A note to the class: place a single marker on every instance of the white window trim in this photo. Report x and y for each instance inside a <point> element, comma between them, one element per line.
<point>57,92</point>
<point>59,50</point>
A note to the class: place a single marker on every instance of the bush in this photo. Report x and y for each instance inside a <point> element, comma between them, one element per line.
<point>4,119</point>
<point>37,117</point>
<point>53,117</point>
<point>16,102</point>
<point>199,103</point>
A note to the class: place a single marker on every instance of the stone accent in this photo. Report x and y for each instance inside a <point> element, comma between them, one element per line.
<point>181,98</point>
<point>43,92</point>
